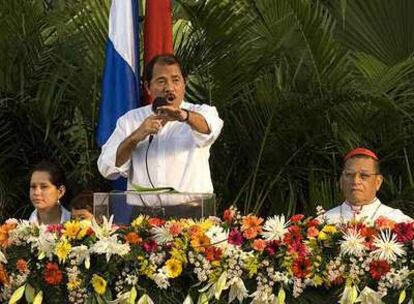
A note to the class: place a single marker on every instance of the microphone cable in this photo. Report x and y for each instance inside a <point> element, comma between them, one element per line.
<point>146,160</point>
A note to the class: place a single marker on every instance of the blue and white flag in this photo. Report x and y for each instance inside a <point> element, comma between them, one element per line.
<point>120,91</point>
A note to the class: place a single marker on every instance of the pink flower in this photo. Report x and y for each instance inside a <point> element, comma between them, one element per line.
<point>235,237</point>
<point>150,246</point>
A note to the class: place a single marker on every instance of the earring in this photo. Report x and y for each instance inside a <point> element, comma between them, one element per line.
<point>58,202</point>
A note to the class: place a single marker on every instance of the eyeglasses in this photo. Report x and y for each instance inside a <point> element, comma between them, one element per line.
<point>350,175</point>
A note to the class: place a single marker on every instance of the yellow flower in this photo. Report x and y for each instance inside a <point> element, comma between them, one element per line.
<point>84,227</point>
<point>139,221</point>
<point>146,267</point>
<point>73,284</point>
<point>329,229</point>
<point>178,254</point>
<point>206,224</point>
<point>62,250</point>
<point>99,284</point>
<point>71,229</point>
<point>317,280</point>
<point>322,236</point>
<point>174,268</point>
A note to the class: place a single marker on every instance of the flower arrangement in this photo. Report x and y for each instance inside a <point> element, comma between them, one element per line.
<point>236,258</point>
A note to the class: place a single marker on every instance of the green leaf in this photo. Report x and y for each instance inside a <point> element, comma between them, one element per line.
<point>39,298</point>
<point>132,295</point>
<point>281,296</point>
<point>29,293</point>
<point>17,294</point>
<point>202,299</point>
<point>402,296</point>
<point>220,284</point>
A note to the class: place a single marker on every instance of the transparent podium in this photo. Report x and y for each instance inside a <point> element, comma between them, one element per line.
<point>126,206</point>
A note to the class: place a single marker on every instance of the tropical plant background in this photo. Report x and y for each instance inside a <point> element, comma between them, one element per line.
<point>297,82</point>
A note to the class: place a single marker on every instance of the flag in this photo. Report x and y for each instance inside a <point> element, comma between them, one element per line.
<point>157,30</point>
<point>120,90</point>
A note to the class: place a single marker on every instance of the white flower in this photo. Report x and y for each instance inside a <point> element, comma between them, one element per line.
<point>44,243</point>
<point>110,246</point>
<point>218,236</point>
<point>237,290</point>
<point>369,296</point>
<point>161,279</point>
<point>352,243</point>
<point>161,234</point>
<point>275,227</point>
<point>388,248</point>
<point>106,229</point>
<point>80,254</point>
<point>3,258</point>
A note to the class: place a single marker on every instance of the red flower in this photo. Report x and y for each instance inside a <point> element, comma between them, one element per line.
<point>369,234</point>
<point>150,246</point>
<point>313,223</point>
<point>296,218</point>
<point>378,269</point>
<point>293,236</point>
<point>404,232</point>
<point>299,248</point>
<point>213,253</point>
<point>235,238</point>
<point>52,274</point>
<point>301,267</point>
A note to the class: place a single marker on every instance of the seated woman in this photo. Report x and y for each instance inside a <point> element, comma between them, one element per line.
<point>47,189</point>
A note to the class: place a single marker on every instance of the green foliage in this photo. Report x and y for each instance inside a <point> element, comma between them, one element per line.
<point>297,82</point>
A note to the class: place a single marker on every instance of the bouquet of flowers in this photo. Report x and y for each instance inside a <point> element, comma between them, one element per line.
<point>241,258</point>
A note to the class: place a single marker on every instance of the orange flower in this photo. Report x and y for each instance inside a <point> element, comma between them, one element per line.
<point>21,265</point>
<point>133,238</point>
<point>228,215</point>
<point>200,242</point>
<point>4,233</point>
<point>313,232</point>
<point>175,229</point>
<point>383,222</point>
<point>195,230</point>
<point>259,245</point>
<point>156,222</point>
<point>4,277</point>
<point>251,226</point>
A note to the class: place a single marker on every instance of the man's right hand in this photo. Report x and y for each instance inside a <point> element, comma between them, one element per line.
<point>151,125</point>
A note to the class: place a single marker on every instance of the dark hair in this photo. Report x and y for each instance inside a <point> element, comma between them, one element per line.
<point>57,177</point>
<point>83,200</point>
<point>376,162</point>
<point>162,59</point>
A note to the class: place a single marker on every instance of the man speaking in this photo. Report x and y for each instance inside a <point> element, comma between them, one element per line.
<point>167,145</point>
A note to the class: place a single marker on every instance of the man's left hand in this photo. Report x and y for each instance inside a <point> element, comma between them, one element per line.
<point>172,113</point>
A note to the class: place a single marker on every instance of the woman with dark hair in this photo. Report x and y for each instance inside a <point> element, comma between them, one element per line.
<point>47,189</point>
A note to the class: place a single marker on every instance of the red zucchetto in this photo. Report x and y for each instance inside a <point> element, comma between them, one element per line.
<point>360,151</point>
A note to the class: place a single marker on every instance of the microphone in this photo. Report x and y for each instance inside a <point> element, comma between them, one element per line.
<point>158,102</point>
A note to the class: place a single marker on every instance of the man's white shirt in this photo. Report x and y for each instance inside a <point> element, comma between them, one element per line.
<point>178,156</point>
<point>368,213</point>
